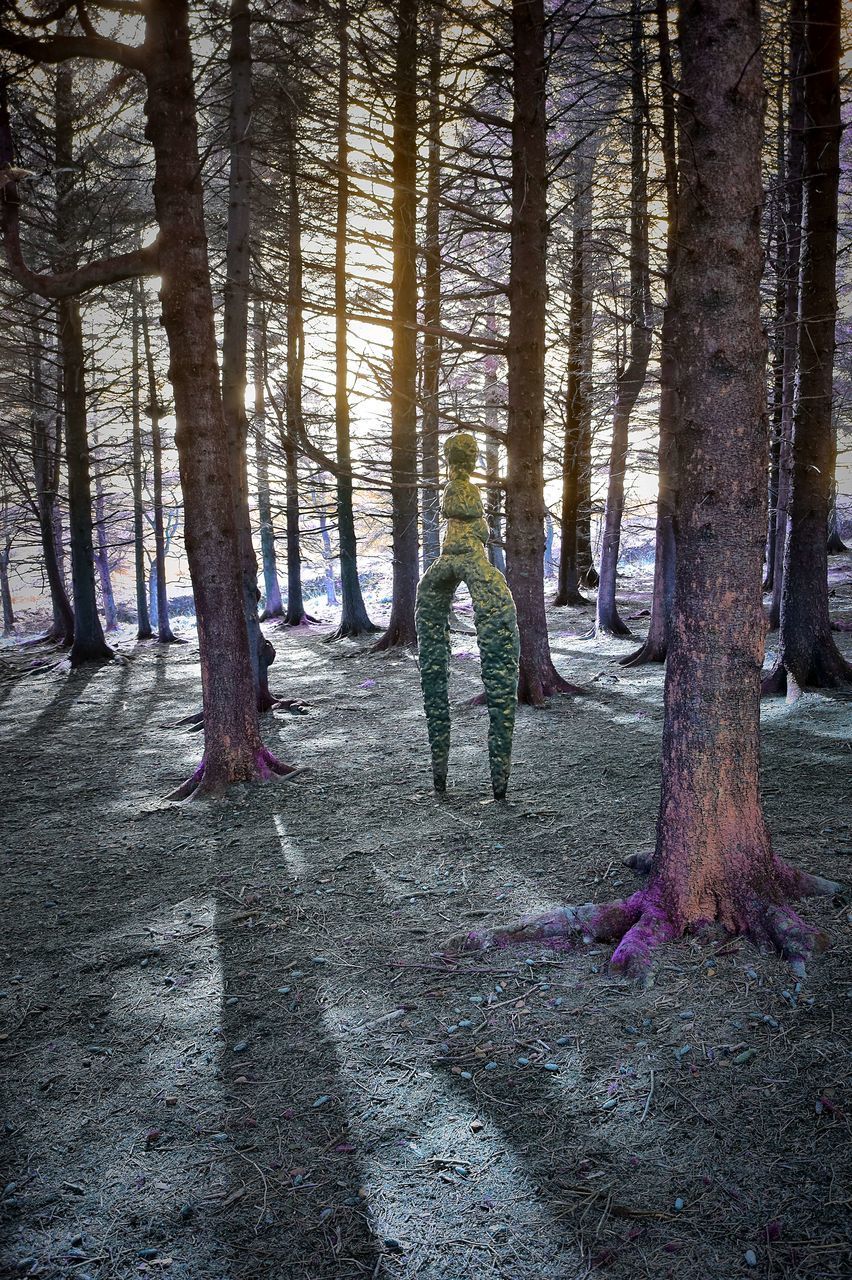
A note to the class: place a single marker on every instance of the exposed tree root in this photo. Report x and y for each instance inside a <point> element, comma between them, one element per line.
<point>570,598</point>
<point>303,620</point>
<point>195,722</point>
<point>650,651</point>
<point>641,924</point>
<point>395,637</point>
<point>263,767</point>
<point>352,631</point>
<point>828,670</point>
<point>536,690</point>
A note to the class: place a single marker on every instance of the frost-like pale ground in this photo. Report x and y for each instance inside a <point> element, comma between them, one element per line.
<point>231,1050</point>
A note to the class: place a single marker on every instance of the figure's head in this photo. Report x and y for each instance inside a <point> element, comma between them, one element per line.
<point>461,451</point>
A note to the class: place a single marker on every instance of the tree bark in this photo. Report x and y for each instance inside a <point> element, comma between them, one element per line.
<point>5,589</point>
<point>432,304</point>
<point>235,330</point>
<point>354,619</point>
<point>568,585</point>
<point>631,379</point>
<point>273,606</point>
<point>808,655</point>
<point>294,615</point>
<point>165,635</point>
<point>233,749</point>
<point>793,199</point>
<point>46,448</point>
<point>89,644</point>
<point>143,619</point>
<point>102,554</point>
<point>401,629</point>
<point>655,645</point>
<point>492,401</point>
<point>538,678</point>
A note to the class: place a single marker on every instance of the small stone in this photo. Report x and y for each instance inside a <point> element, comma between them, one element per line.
<point>750,1258</point>
<point>678,1204</point>
<point>523,1062</point>
<point>466,1075</point>
<point>491,1066</point>
<point>551,1066</point>
<point>321,1101</point>
<point>240,1046</point>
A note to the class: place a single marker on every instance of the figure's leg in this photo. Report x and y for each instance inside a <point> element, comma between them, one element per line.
<point>434,597</point>
<point>499,649</point>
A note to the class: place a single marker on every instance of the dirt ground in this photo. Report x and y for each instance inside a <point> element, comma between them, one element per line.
<point>231,1047</point>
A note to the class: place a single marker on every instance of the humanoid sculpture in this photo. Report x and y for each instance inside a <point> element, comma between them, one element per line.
<point>463,559</point>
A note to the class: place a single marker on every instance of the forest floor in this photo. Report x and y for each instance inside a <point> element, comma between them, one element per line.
<point>232,1048</point>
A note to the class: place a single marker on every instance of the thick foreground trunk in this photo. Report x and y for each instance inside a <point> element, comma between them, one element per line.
<point>233,749</point>
<point>713,869</point>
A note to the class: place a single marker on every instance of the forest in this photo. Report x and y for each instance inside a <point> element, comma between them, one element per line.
<point>426,659</point>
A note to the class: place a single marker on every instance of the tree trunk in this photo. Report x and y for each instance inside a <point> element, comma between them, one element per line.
<point>328,557</point>
<point>165,635</point>
<point>713,867</point>
<point>143,618</point>
<point>493,486</point>
<point>89,644</point>
<point>585,561</point>
<point>401,629</point>
<point>808,655</point>
<point>235,332</point>
<point>835,544</point>
<point>102,555</point>
<point>527,300</point>
<point>5,589</point>
<point>793,198</point>
<point>233,749</point>
<point>778,343</point>
<point>655,646</point>
<point>631,379</point>
<point>273,606</point>
<point>46,447</point>
<point>432,304</point>
<point>354,619</point>
<point>295,615</point>
<point>568,585</point>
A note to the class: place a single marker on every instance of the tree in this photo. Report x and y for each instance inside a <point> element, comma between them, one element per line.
<point>272,606</point>
<point>143,620</point>
<point>713,866</point>
<point>165,635</point>
<point>430,427</point>
<point>789,264</point>
<point>233,748</point>
<point>655,645</point>
<point>538,678</point>
<point>807,654</point>
<point>401,629</point>
<point>631,377</point>
<point>354,619</point>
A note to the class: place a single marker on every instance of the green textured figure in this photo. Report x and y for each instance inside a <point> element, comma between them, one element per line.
<point>463,559</point>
